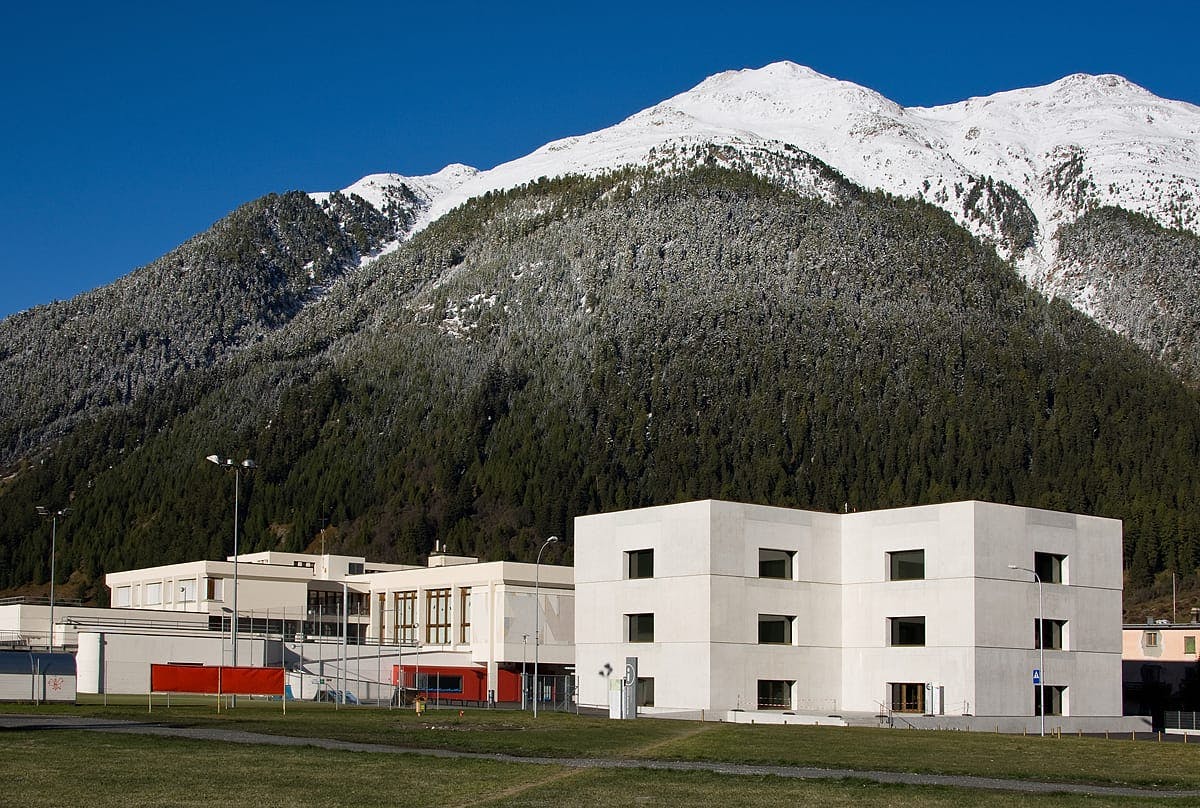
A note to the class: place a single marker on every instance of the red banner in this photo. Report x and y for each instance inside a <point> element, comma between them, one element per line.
<point>239,681</point>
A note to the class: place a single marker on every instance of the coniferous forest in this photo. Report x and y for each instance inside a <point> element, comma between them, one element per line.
<point>578,345</point>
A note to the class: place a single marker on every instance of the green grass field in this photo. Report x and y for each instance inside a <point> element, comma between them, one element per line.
<point>62,767</point>
<point>57,768</point>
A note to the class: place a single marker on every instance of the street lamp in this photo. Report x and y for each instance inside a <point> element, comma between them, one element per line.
<point>1041,641</point>
<point>524,678</point>
<point>53,516</point>
<point>537,619</point>
<point>228,464</point>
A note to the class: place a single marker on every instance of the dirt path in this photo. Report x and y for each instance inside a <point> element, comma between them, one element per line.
<point>575,771</point>
<point>575,765</point>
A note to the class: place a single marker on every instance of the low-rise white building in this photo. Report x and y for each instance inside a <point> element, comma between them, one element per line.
<point>729,606</point>
<point>457,628</point>
<point>472,615</point>
<point>280,592</point>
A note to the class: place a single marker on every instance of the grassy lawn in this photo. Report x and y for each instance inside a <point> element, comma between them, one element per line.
<point>85,768</point>
<point>1069,759</point>
<point>1088,760</point>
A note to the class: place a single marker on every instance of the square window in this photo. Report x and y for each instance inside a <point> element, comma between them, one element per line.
<point>775,629</point>
<point>776,563</point>
<point>1150,639</point>
<point>639,627</point>
<point>1049,634</point>
<point>775,694</point>
<point>906,630</point>
<point>639,564</point>
<point>645,691</point>
<point>1056,699</point>
<point>1049,567</point>
<point>906,565</point>
<point>908,697</point>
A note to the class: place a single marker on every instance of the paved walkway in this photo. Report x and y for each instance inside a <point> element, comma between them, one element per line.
<point>26,722</point>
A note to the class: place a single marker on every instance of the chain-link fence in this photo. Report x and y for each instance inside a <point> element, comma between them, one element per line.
<point>559,693</point>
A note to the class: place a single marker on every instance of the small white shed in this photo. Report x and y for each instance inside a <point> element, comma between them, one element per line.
<point>37,676</point>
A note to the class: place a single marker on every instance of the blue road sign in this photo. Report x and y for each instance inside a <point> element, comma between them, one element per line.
<point>1037,676</point>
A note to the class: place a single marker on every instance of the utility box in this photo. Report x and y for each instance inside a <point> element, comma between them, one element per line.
<point>935,699</point>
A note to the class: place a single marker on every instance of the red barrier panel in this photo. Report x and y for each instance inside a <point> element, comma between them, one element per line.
<point>239,681</point>
<point>250,681</point>
<point>459,683</point>
<point>184,679</point>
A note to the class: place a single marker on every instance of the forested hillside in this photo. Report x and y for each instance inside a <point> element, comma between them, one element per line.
<point>226,288</point>
<point>1140,279</point>
<point>588,344</point>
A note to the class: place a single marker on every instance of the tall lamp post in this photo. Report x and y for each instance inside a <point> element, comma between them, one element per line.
<point>524,676</point>
<point>228,464</point>
<point>537,618</point>
<point>1041,641</point>
<point>53,516</point>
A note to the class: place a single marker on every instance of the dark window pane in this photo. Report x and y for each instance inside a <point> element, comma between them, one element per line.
<point>641,627</point>
<point>907,565</point>
<point>907,630</point>
<point>1051,634</point>
<point>775,629</point>
<point>775,564</point>
<point>1053,694</point>
<point>908,697</point>
<point>641,563</point>
<point>1048,567</point>
<point>774,694</point>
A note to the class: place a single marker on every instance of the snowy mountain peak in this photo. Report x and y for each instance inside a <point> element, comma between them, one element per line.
<point>1012,167</point>
<point>1105,85</point>
<point>777,91</point>
<point>379,189</point>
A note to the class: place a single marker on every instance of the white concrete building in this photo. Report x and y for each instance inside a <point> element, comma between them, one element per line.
<point>467,614</point>
<point>458,628</point>
<point>302,592</point>
<point>730,606</point>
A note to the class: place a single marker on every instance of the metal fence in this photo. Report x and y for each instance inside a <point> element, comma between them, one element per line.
<point>558,693</point>
<point>1176,719</point>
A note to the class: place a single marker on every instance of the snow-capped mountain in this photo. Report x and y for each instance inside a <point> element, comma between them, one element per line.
<point>672,331</point>
<point>1012,167</point>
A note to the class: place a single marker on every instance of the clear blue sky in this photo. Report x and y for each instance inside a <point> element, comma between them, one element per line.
<point>127,127</point>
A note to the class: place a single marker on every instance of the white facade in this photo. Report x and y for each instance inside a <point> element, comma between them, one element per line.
<point>949,630</point>
<point>468,613</point>
<point>271,586</point>
<point>454,612</point>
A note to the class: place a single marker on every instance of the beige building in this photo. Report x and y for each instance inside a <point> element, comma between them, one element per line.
<point>1160,641</point>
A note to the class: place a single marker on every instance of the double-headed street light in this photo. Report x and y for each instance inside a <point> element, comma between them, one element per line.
<point>228,464</point>
<point>537,619</point>
<point>1041,642</point>
<point>53,516</point>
